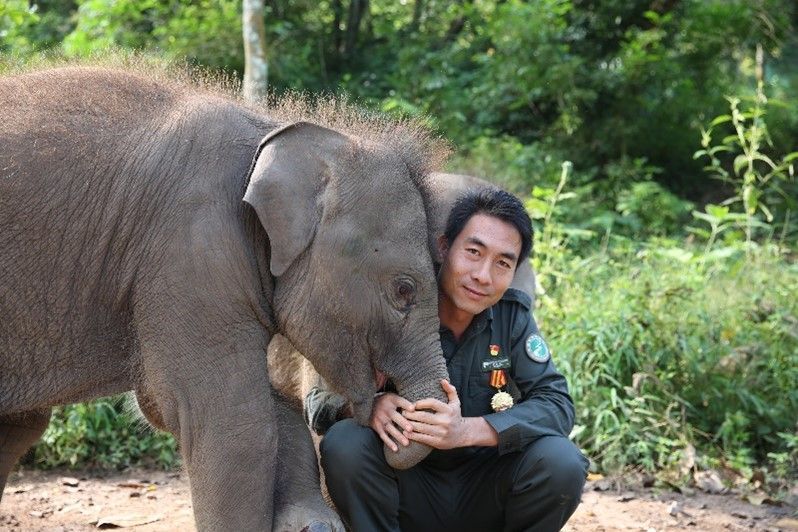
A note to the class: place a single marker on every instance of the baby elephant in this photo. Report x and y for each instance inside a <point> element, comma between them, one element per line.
<point>156,234</point>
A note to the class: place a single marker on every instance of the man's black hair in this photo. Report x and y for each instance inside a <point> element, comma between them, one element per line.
<point>493,202</point>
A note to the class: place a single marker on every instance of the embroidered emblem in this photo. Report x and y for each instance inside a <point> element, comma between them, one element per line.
<point>536,349</point>
<point>494,350</point>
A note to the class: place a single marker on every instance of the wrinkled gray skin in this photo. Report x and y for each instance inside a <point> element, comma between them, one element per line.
<point>293,376</point>
<point>130,262</point>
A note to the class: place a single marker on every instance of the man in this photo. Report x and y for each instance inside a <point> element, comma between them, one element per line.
<point>495,465</point>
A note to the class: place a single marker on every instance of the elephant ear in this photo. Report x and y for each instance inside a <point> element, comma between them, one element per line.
<point>286,185</point>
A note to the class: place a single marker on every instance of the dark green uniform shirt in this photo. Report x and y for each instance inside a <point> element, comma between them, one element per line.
<point>542,404</point>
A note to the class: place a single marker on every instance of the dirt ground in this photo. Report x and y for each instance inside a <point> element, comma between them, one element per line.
<point>159,501</point>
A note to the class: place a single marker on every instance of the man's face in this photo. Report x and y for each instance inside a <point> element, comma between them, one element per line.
<point>479,265</point>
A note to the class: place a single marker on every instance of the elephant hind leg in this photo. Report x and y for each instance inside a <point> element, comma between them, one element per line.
<point>17,433</point>
<point>149,409</point>
<point>299,504</point>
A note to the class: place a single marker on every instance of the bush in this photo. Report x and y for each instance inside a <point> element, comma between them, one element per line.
<point>667,347</point>
<point>104,434</point>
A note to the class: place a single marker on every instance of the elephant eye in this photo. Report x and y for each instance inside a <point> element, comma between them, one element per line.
<point>404,289</point>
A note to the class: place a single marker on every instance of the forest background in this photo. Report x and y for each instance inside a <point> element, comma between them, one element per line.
<point>653,141</point>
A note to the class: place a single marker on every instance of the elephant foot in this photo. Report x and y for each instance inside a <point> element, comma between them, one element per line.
<point>307,519</point>
<point>318,526</point>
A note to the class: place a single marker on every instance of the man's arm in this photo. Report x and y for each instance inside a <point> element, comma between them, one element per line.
<point>324,408</point>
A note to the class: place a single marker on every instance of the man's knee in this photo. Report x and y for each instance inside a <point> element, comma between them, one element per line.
<point>559,462</point>
<point>348,447</point>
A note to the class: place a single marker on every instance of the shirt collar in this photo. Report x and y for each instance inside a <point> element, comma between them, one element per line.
<point>478,323</point>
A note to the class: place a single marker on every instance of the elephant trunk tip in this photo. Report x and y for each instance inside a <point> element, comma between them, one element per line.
<point>406,457</point>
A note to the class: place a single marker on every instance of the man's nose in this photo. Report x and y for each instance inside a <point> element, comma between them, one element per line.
<point>481,273</point>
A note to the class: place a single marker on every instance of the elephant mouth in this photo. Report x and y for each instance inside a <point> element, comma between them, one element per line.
<point>380,379</point>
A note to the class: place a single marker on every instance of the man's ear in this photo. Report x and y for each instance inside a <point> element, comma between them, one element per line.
<point>443,248</point>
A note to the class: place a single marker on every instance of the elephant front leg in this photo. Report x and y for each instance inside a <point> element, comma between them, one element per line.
<point>230,454</point>
<point>216,400</point>
<point>17,433</point>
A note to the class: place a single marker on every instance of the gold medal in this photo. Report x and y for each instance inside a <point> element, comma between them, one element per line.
<point>501,400</point>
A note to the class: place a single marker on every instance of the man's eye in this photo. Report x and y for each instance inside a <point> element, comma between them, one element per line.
<point>505,264</point>
<point>472,251</point>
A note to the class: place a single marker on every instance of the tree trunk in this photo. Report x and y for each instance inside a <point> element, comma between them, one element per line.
<point>357,8</point>
<point>338,15</point>
<point>256,67</point>
<point>418,9</point>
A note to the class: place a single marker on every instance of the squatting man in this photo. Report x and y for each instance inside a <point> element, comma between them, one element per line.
<point>501,457</point>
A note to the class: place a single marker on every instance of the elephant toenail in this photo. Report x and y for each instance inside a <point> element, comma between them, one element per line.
<point>317,526</point>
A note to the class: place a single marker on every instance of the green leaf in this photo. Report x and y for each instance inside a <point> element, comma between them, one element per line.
<point>724,253</point>
<point>719,148</point>
<point>764,158</point>
<point>740,162</point>
<point>706,217</point>
<point>766,211</point>
<point>790,157</point>
<point>719,212</point>
<point>720,120</point>
<point>703,233</point>
<point>677,254</point>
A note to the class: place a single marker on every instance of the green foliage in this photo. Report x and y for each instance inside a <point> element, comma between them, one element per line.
<point>667,347</point>
<point>720,219</point>
<point>16,19</point>
<point>785,463</point>
<point>206,32</point>
<point>603,84</point>
<point>102,434</point>
<point>663,347</point>
<point>649,208</point>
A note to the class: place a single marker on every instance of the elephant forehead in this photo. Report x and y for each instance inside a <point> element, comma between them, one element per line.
<point>376,222</point>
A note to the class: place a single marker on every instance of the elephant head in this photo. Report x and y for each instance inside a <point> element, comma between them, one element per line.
<point>354,286</point>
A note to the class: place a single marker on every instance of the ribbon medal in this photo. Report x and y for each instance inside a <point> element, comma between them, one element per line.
<point>501,400</point>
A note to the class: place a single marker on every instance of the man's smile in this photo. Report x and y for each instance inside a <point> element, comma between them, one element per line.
<point>473,293</point>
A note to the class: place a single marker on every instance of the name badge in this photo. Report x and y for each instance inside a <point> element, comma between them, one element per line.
<point>495,363</point>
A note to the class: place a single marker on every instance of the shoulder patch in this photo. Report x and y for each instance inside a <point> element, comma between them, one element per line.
<point>536,349</point>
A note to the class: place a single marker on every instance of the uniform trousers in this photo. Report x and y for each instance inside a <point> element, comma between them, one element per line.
<point>536,489</point>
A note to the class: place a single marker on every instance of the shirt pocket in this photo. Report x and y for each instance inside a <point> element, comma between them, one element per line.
<point>479,395</point>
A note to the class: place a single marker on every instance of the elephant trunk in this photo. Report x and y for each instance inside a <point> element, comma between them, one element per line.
<point>423,382</point>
